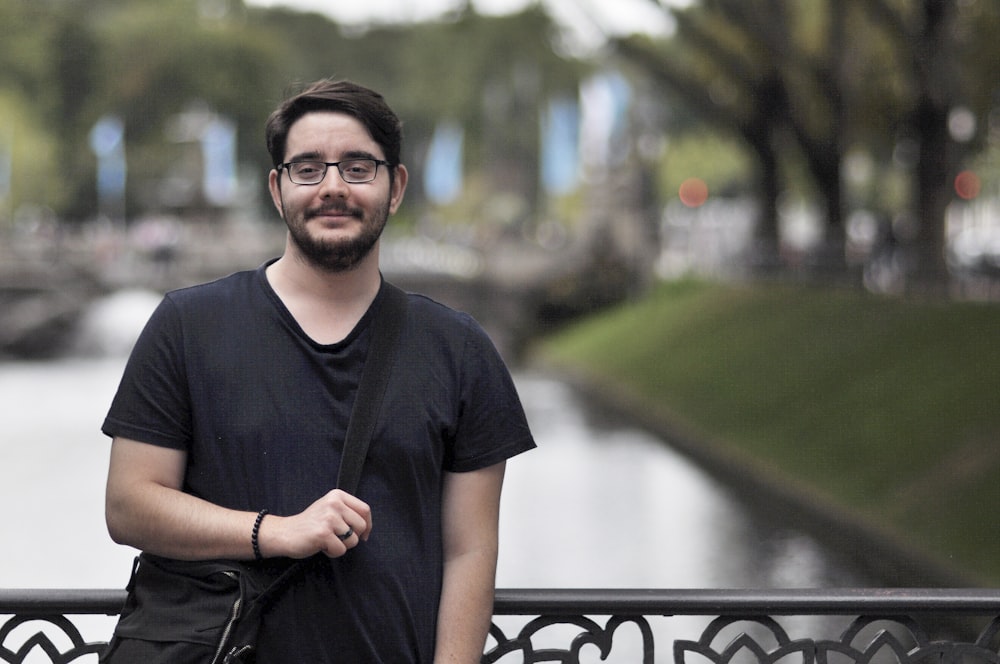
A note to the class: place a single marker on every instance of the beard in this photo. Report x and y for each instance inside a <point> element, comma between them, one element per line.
<point>337,255</point>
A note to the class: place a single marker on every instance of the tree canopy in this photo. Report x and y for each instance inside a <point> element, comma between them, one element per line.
<point>806,83</point>
<point>811,89</point>
<point>65,64</point>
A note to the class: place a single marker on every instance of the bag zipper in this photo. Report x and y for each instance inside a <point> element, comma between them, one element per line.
<point>227,629</point>
<point>235,653</point>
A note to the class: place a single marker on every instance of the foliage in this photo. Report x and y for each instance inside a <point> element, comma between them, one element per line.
<point>804,83</point>
<point>33,158</point>
<point>803,86</point>
<point>72,61</point>
<point>707,155</point>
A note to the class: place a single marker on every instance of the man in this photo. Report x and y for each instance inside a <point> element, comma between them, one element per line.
<point>237,396</point>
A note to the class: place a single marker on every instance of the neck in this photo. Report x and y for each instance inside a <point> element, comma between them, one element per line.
<point>294,276</point>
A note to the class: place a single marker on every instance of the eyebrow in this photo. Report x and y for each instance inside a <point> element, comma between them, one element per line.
<point>305,156</point>
<point>313,155</point>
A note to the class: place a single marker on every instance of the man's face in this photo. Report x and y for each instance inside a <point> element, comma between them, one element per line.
<point>335,225</point>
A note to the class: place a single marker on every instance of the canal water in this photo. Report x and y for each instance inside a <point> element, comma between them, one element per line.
<point>600,504</point>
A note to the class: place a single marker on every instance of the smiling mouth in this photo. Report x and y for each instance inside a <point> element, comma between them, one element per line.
<point>334,213</point>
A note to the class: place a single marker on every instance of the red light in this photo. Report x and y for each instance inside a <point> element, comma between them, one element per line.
<point>967,185</point>
<point>693,192</point>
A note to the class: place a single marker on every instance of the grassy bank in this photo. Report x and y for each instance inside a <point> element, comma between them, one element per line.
<point>886,407</point>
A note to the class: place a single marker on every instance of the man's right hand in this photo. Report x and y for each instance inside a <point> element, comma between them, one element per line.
<point>332,525</point>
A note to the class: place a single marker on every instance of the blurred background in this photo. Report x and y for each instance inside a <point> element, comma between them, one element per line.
<point>766,231</point>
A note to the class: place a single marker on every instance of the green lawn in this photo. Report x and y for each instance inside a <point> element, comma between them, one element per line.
<point>886,406</point>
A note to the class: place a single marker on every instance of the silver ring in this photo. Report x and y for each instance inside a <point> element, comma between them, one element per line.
<point>350,531</point>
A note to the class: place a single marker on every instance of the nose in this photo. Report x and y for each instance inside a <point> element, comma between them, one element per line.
<point>332,185</point>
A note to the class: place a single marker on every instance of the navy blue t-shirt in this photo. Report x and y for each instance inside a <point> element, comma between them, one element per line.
<point>224,372</point>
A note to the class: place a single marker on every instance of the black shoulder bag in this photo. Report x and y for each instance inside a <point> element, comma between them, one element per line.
<point>209,612</point>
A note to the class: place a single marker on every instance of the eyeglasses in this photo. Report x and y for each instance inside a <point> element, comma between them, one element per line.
<point>353,171</point>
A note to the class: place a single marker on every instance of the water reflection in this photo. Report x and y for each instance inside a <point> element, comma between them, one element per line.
<point>604,504</point>
<point>110,326</point>
<point>54,462</point>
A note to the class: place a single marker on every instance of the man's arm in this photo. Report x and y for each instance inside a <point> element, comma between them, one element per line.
<point>146,508</point>
<point>470,520</point>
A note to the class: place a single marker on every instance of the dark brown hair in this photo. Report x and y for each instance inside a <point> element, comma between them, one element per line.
<point>366,106</point>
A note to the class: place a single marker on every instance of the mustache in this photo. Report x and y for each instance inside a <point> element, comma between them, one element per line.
<point>336,208</point>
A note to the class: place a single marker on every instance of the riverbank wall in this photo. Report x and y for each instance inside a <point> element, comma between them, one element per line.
<point>869,545</point>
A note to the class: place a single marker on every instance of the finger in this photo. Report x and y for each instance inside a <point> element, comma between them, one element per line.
<point>355,526</point>
<point>339,541</point>
<point>358,515</point>
<point>366,527</point>
<point>349,500</point>
<point>335,548</point>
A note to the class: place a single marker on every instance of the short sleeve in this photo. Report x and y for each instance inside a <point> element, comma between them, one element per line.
<point>152,404</point>
<point>492,424</point>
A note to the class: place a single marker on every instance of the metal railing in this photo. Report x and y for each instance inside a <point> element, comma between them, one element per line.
<point>900,626</point>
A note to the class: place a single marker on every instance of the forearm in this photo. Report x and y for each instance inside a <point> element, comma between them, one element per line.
<point>146,508</point>
<point>470,517</point>
<point>171,523</point>
<point>466,609</point>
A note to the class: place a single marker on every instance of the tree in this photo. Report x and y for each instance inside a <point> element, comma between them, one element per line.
<point>30,107</point>
<point>906,67</point>
<point>941,47</point>
<point>451,72</point>
<point>33,155</point>
<point>718,71</point>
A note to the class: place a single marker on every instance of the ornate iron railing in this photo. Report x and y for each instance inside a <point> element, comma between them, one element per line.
<point>895,626</point>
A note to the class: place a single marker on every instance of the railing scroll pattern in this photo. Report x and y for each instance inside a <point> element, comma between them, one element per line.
<point>40,640</point>
<point>899,640</point>
<point>55,636</point>
<point>893,626</point>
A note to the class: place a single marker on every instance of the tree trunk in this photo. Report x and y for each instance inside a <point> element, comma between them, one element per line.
<point>932,186</point>
<point>765,258</point>
<point>933,193</point>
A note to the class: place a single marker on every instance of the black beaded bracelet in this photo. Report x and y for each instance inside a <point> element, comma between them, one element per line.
<point>255,534</point>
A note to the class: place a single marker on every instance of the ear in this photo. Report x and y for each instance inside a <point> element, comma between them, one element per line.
<point>274,186</point>
<point>398,188</point>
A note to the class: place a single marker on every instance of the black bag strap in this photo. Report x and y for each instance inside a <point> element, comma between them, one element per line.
<point>387,325</point>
